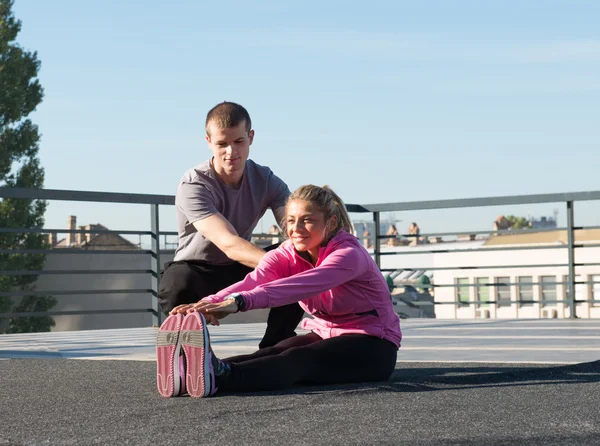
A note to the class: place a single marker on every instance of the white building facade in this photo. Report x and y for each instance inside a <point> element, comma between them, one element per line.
<point>516,282</point>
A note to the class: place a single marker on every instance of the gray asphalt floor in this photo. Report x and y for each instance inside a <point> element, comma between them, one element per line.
<point>75,402</point>
<point>478,382</point>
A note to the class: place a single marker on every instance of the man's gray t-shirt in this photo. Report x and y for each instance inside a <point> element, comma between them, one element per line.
<point>201,194</point>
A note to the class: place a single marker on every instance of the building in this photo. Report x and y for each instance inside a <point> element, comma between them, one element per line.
<point>545,222</point>
<point>463,271</point>
<point>532,277</point>
<point>122,281</point>
<point>426,280</point>
<point>89,240</point>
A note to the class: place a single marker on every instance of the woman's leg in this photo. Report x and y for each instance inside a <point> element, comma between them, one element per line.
<point>296,341</point>
<point>343,359</point>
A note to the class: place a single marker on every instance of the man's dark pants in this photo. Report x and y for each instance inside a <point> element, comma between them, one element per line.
<point>185,282</point>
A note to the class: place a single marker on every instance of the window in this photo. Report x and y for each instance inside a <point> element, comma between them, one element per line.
<point>525,291</point>
<point>548,290</point>
<point>595,290</point>
<point>462,291</point>
<point>503,291</point>
<point>483,292</point>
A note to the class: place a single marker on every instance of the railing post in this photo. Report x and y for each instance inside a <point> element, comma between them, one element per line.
<point>571,254</point>
<point>155,263</point>
<point>377,243</point>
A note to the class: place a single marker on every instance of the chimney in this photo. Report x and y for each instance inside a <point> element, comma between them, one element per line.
<point>52,239</point>
<point>71,224</point>
<point>81,237</point>
<point>88,235</point>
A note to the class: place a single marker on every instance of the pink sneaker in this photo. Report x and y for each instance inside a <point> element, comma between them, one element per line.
<point>169,363</point>
<point>195,340</point>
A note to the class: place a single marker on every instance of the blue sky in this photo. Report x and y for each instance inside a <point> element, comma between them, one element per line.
<point>385,101</point>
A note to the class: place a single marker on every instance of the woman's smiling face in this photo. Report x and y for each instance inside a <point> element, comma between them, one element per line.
<point>306,227</point>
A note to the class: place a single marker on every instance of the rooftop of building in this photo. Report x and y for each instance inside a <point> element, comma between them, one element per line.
<point>543,237</point>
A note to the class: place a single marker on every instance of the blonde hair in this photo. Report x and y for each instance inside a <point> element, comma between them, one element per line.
<point>327,202</point>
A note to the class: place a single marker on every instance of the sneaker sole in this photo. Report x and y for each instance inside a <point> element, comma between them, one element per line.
<point>168,347</point>
<point>195,342</point>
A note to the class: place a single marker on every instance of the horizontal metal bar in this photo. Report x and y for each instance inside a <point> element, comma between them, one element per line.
<point>356,208</point>
<point>98,231</point>
<point>71,231</point>
<point>452,268</point>
<point>75,251</point>
<point>586,245</point>
<point>482,202</point>
<point>445,251</point>
<point>90,196</point>
<point>492,231</point>
<point>484,285</point>
<point>167,251</point>
<point>104,197</point>
<point>500,302</point>
<point>75,313</point>
<point>113,197</point>
<point>72,292</point>
<point>27,272</point>
<point>502,248</point>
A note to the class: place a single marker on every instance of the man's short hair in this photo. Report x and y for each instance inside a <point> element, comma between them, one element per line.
<point>227,115</point>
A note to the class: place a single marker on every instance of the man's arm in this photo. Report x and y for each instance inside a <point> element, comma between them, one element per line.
<point>220,232</point>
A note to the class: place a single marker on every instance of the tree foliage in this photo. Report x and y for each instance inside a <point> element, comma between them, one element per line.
<point>20,94</point>
<point>518,222</point>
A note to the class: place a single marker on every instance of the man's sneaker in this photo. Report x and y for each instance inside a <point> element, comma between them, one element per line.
<point>169,361</point>
<point>195,341</point>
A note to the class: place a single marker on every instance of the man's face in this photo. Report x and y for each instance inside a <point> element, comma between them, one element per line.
<point>230,147</point>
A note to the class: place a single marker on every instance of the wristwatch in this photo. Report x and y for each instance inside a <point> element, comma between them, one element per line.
<point>239,300</point>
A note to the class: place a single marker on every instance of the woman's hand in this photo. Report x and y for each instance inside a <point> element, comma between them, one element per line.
<point>181,309</point>
<point>212,312</point>
<point>218,310</point>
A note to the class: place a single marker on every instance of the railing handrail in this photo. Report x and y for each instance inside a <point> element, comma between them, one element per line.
<point>102,197</point>
<point>155,201</point>
<point>119,197</point>
<point>482,201</point>
<point>89,196</point>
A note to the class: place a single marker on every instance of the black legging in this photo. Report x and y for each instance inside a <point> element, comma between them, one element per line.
<point>309,359</point>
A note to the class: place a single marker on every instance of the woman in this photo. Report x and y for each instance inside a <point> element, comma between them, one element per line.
<point>354,331</point>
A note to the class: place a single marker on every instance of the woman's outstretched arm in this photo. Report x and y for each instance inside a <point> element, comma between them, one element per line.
<point>339,267</point>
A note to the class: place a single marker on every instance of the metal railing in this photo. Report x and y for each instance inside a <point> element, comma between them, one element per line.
<point>567,198</point>
<point>156,201</point>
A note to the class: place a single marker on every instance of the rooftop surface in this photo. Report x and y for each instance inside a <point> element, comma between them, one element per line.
<point>456,382</point>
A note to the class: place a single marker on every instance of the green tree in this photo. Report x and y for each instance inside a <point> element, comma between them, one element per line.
<point>518,222</point>
<point>20,94</point>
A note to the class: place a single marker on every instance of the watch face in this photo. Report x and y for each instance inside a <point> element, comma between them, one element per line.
<point>239,300</point>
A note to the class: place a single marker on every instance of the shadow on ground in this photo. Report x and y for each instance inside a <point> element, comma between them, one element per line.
<point>416,378</point>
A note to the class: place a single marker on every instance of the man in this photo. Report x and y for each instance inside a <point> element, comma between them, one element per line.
<point>218,205</point>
